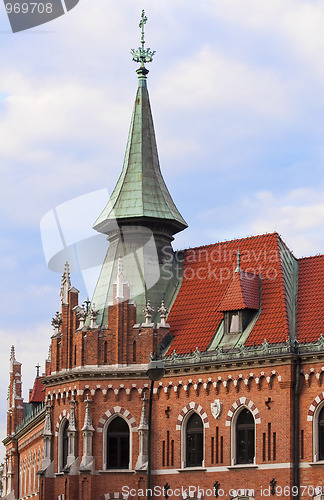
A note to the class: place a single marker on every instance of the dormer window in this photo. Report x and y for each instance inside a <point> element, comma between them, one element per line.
<point>236,322</point>
<point>240,302</point>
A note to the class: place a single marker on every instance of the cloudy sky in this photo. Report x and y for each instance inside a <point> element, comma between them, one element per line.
<point>237,91</point>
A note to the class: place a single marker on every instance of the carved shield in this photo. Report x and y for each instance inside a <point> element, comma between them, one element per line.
<point>216,408</point>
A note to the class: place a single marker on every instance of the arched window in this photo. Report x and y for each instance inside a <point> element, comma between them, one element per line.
<point>245,437</point>
<point>118,444</point>
<point>63,442</point>
<point>321,434</point>
<point>194,441</point>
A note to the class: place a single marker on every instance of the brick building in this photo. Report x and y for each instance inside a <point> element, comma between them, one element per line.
<point>239,326</point>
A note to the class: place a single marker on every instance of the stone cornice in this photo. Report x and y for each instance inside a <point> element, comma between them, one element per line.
<point>262,354</point>
<point>217,359</point>
<point>96,373</point>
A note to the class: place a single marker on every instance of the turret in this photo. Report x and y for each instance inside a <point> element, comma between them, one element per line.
<point>140,218</point>
<point>15,411</point>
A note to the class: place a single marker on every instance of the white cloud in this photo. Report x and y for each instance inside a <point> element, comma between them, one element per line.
<point>297,215</point>
<point>212,80</point>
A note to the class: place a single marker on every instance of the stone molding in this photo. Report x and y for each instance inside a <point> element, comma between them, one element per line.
<point>192,407</point>
<point>117,410</point>
<point>313,406</point>
<point>243,401</point>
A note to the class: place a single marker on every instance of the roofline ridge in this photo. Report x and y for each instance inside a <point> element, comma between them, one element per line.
<point>317,256</point>
<point>232,241</point>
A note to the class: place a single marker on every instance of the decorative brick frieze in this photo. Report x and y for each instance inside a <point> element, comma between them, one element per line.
<point>313,406</point>
<point>192,406</point>
<point>243,401</point>
<point>110,496</point>
<point>62,415</point>
<point>117,410</point>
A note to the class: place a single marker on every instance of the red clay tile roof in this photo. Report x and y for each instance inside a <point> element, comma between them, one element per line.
<point>241,293</point>
<point>38,394</point>
<point>194,317</point>
<point>310,314</point>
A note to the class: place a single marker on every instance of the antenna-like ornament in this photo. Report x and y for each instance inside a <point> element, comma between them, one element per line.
<point>142,55</point>
<point>238,262</point>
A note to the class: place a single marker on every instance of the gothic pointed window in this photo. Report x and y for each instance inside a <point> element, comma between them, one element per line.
<point>63,444</point>
<point>321,434</point>
<point>245,437</point>
<point>118,444</point>
<point>194,441</point>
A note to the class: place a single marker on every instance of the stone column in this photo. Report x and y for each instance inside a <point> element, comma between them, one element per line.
<point>141,463</point>
<point>87,462</point>
<point>47,464</point>
<point>72,442</point>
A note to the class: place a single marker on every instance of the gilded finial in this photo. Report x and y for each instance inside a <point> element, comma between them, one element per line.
<point>142,55</point>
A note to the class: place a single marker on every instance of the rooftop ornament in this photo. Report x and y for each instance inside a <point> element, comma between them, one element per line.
<point>56,323</point>
<point>148,312</point>
<point>142,55</point>
<point>93,316</point>
<point>238,262</point>
<point>163,312</point>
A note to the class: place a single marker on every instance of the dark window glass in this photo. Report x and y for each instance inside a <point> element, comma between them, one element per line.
<point>65,444</point>
<point>194,441</point>
<point>245,438</point>
<point>118,444</point>
<point>321,434</point>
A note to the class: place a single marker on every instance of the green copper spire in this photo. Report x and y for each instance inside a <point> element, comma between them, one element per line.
<point>141,196</point>
<point>140,218</point>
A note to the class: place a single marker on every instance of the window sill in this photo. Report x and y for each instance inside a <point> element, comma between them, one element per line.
<point>242,466</point>
<point>319,462</point>
<point>116,471</point>
<point>192,469</point>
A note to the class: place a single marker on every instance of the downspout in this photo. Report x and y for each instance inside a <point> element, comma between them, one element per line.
<point>296,425</point>
<point>18,467</point>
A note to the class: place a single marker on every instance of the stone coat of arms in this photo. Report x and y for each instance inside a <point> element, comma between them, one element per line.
<point>216,408</point>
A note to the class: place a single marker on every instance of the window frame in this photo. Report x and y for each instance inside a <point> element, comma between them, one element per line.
<point>234,447</point>
<point>185,421</point>
<point>316,436</point>
<point>60,458</point>
<point>105,444</point>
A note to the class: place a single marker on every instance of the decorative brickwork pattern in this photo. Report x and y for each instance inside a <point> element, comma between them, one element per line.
<point>109,496</point>
<point>313,406</point>
<point>197,408</point>
<point>119,411</point>
<point>243,402</point>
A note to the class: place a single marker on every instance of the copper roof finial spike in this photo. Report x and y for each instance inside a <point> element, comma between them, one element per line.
<point>142,23</point>
<point>238,262</point>
<point>142,55</point>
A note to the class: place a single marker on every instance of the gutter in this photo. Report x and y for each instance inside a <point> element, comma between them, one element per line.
<point>296,427</point>
<point>18,467</point>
